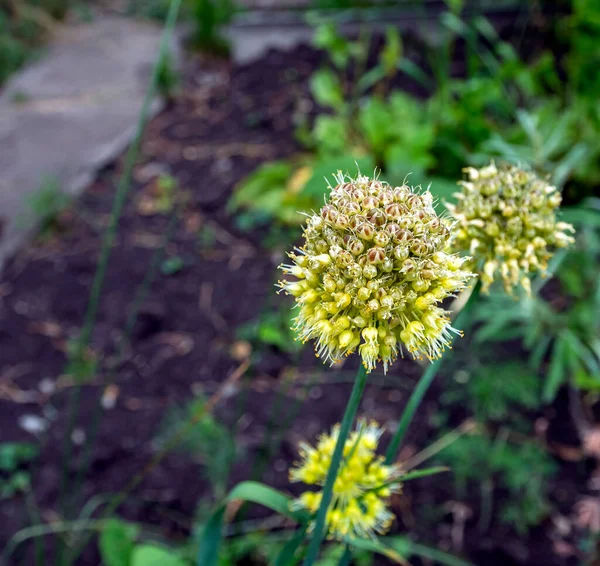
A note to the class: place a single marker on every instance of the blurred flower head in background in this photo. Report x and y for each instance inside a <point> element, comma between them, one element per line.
<point>506,220</point>
<point>362,488</point>
<point>372,272</point>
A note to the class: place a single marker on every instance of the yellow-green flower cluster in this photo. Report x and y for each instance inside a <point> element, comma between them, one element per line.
<point>506,220</point>
<point>362,488</point>
<point>372,272</point>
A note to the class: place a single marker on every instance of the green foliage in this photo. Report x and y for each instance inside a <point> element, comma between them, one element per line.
<point>152,555</point>
<point>116,542</point>
<point>203,438</point>
<point>496,391</point>
<point>168,78</point>
<point>24,26</point>
<point>504,108</point>
<point>172,265</point>
<point>209,16</point>
<point>273,328</point>
<point>47,204</point>
<point>13,477</point>
<point>520,472</point>
<point>118,547</point>
<point>275,193</point>
<point>82,361</point>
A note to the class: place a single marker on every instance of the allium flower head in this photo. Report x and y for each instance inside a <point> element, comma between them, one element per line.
<point>362,488</point>
<point>506,220</point>
<point>372,272</point>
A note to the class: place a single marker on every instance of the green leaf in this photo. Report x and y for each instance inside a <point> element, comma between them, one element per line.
<point>556,372</point>
<point>567,164</point>
<point>326,37</point>
<point>377,546</point>
<point>326,89</point>
<point>428,553</point>
<point>150,555</point>
<point>116,542</point>
<point>254,492</point>
<point>392,51</point>
<point>415,72</point>
<point>330,133</point>
<point>581,216</point>
<point>288,555</point>
<point>13,454</point>
<point>266,177</point>
<point>172,265</point>
<point>423,473</point>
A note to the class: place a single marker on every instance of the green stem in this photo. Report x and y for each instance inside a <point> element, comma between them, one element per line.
<point>108,242</point>
<point>424,383</point>
<point>347,421</point>
<point>140,296</point>
<point>346,557</point>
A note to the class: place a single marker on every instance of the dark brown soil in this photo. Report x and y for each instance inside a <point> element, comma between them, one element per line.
<point>225,122</point>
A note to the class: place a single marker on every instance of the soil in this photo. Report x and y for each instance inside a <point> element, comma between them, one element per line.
<point>225,122</point>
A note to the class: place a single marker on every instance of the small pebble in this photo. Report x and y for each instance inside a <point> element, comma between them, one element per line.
<point>47,386</point>
<point>78,437</point>
<point>33,424</point>
<point>315,393</point>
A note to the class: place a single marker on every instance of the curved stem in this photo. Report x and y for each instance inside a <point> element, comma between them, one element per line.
<point>423,385</point>
<point>347,421</point>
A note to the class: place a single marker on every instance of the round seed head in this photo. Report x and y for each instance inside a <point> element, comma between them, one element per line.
<point>502,215</point>
<point>374,269</point>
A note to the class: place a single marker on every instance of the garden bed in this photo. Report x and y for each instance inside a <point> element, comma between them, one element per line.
<point>214,279</point>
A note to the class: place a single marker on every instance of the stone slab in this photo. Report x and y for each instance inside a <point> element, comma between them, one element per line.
<point>71,113</point>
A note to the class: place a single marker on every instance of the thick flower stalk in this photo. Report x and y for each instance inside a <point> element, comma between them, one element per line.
<point>506,220</point>
<point>372,273</point>
<point>364,484</point>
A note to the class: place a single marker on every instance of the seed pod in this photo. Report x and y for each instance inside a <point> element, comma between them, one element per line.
<point>369,271</point>
<point>377,216</point>
<point>329,213</point>
<point>376,255</point>
<point>381,238</point>
<point>366,231</point>
<point>369,203</point>
<point>499,214</point>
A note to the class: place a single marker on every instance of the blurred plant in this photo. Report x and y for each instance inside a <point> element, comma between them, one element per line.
<point>495,391</point>
<point>272,328</point>
<point>172,265</point>
<point>14,478</point>
<point>359,507</point>
<point>395,131</point>
<point>24,26</point>
<point>395,548</point>
<point>47,204</point>
<point>581,31</point>
<point>564,333</point>
<point>208,441</point>
<point>520,471</point>
<point>209,17</point>
<point>168,78</point>
<point>119,546</point>
<point>273,195</point>
<point>159,196</point>
<point>558,143</point>
<point>506,219</point>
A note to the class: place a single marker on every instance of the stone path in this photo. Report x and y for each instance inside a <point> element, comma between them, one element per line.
<point>75,110</point>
